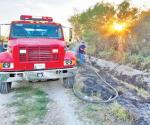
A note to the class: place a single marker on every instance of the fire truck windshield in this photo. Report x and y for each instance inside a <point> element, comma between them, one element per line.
<point>36,31</point>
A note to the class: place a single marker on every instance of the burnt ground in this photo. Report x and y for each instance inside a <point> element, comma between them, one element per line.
<point>134,101</point>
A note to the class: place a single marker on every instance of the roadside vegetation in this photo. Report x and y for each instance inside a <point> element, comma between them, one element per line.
<point>130,46</point>
<point>105,114</point>
<point>30,103</point>
<point>3,39</point>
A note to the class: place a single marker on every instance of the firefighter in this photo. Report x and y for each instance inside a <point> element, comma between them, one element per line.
<point>81,53</point>
<point>67,47</point>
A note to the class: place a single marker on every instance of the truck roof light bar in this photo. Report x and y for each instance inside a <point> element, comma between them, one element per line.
<point>29,17</point>
<point>50,19</point>
<point>25,17</point>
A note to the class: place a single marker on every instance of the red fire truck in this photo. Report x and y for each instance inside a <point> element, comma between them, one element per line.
<point>36,51</point>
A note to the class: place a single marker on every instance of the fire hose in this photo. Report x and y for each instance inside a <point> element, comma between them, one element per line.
<point>92,100</point>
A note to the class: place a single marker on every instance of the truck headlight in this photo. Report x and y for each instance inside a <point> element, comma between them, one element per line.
<point>68,62</point>
<point>23,51</point>
<point>55,50</point>
<point>8,65</point>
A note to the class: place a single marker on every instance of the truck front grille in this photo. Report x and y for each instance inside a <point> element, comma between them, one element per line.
<point>39,54</point>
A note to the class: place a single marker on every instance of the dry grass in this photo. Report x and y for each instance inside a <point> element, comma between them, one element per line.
<point>31,104</point>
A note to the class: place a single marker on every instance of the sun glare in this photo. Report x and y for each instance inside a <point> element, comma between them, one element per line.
<point>119,26</point>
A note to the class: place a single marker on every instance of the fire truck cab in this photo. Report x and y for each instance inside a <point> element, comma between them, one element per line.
<point>36,51</point>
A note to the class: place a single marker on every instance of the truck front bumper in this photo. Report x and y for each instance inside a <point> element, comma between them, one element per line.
<point>37,75</point>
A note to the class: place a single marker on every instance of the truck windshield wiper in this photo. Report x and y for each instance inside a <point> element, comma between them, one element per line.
<point>22,36</point>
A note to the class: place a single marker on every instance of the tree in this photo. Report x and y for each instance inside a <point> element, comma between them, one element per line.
<point>91,19</point>
<point>3,39</point>
<point>107,27</point>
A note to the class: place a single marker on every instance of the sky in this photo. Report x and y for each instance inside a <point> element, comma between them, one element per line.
<point>60,10</point>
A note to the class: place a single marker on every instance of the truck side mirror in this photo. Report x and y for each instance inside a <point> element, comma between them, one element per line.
<point>5,46</point>
<point>70,34</point>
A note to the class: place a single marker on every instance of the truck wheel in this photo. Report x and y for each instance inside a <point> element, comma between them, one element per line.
<point>5,87</point>
<point>69,82</point>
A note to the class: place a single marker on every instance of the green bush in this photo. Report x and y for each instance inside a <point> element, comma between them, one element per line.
<point>138,61</point>
<point>146,63</point>
<point>120,112</point>
<point>135,59</point>
<point>110,54</point>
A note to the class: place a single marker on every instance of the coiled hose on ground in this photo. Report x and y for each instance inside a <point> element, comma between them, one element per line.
<point>92,100</point>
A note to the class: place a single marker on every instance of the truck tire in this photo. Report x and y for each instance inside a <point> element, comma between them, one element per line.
<point>5,87</point>
<point>69,82</point>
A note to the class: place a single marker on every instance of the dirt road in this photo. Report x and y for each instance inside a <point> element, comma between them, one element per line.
<point>61,112</point>
<point>60,107</point>
<point>6,115</point>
